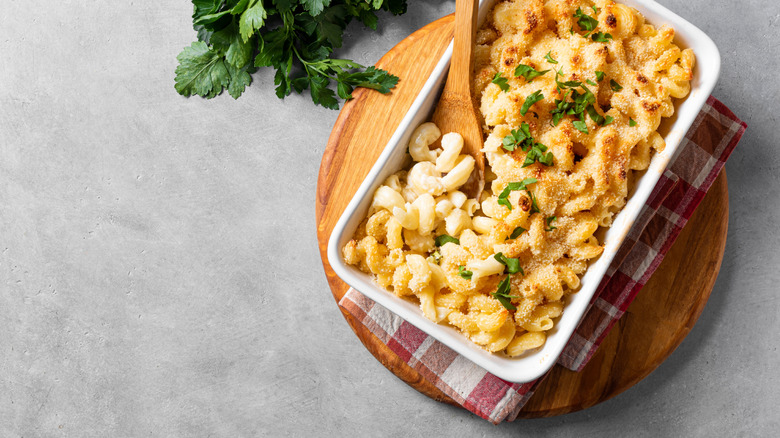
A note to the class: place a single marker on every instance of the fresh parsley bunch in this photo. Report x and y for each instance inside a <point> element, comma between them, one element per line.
<point>295,37</point>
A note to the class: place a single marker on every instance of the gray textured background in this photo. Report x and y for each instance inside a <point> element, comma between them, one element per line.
<point>159,272</point>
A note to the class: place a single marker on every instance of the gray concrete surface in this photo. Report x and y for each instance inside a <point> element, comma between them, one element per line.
<point>159,273</point>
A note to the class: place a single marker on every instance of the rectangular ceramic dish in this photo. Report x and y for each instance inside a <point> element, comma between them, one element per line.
<point>531,365</point>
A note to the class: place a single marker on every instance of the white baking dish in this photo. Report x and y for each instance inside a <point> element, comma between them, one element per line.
<point>531,365</point>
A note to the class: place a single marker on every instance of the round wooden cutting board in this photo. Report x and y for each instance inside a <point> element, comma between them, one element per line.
<point>654,325</point>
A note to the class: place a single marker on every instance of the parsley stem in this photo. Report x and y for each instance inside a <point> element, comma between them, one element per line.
<point>310,65</point>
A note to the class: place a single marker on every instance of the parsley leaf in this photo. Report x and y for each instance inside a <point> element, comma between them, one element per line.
<point>615,86</point>
<point>600,37</point>
<point>203,8</point>
<point>272,47</point>
<point>371,77</point>
<point>528,72</point>
<point>252,19</point>
<point>444,238</point>
<point>320,93</point>
<point>238,52</point>
<point>201,71</point>
<point>239,79</point>
<point>589,82</point>
<point>599,75</point>
<point>463,272</point>
<point>321,72</point>
<point>550,58</point>
<point>530,100</point>
<point>632,122</point>
<point>549,221</point>
<point>502,294</point>
<point>503,197</point>
<point>327,26</point>
<point>500,81</point>
<point>581,126</point>
<point>512,264</point>
<point>208,12</point>
<point>315,7</point>
<point>517,232</point>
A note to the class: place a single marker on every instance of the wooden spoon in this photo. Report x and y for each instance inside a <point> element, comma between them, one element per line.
<point>455,111</point>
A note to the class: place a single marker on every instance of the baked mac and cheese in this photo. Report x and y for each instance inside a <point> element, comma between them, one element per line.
<point>572,93</point>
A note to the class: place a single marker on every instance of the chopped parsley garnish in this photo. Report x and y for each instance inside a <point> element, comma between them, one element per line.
<point>595,116</point>
<point>549,221</point>
<point>528,72</point>
<point>615,86</point>
<point>516,137</point>
<point>562,107</point>
<point>589,82</point>
<point>560,86</point>
<point>550,58</point>
<point>503,198</point>
<point>512,264</point>
<point>463,272</point>
<point>534,205</point>
<point>631,122</point>
<point>580,103</point>
<point>535,151</point>
<point>599,75</point>
<point>444,238</point>
<point>502,294</point>
<point>516,233</point>
<point>504,287</point>
<point>586,22</point>
<point>537,154</point>
<point>530,100</point>
<point>589,24</point>
<point>500,81</point>
<point>436,256</point>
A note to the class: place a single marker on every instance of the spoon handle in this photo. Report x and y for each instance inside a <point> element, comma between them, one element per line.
<point>455,111</point>
<point>459,77</point>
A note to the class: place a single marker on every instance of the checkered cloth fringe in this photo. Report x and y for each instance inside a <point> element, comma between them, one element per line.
<point>705,149</point>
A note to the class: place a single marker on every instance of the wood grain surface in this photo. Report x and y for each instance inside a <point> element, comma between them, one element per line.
<point>655,323</point>
<point>456,110</point>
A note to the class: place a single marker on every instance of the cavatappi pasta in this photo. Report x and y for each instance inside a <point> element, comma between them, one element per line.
<point>572,94</point>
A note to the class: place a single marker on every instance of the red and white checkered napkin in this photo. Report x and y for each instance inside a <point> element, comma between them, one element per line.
<point>705,149</point>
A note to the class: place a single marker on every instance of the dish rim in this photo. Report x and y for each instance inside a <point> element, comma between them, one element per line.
<point>532,365</point>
